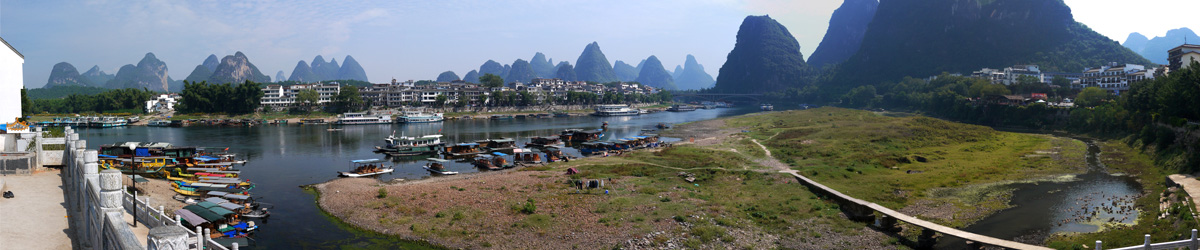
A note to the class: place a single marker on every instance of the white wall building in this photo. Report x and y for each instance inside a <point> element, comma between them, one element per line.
<point>279,96</point>
<point>1115,77</point>
<point>162,103</point>
<point>12,79</point>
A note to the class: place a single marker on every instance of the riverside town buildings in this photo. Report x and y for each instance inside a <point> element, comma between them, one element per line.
<point>1113,77</point>
<point>11,81</point>
<point>1182,56</point>
<point>162,103</point>
<point>407,93</point>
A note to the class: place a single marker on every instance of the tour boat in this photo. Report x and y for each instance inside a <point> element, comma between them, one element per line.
<point>485,162</point>
<point>108,122</point>
<point>767,107</point>
<point>363,118</point>
<point>681,108</point>
<point>615,110</point>
<point>368,167</point>
<point>313,121</point>
<point>438,166</point>
<point>420,117</point>
<point>159,123</point>
<point>406,146</point>
<point>502,117</point>
<point>562,114</point>
<point>579,135</point>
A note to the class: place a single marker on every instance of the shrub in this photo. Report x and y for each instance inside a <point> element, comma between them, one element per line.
<point>382,193</point>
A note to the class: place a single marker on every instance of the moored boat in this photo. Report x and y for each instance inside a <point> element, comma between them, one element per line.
<point>406,146</point>
<point>363,118</point>
<point>438,166</point>
<point>420,117</point>
<point>159,123</point>
<point>767,107</point>
<point>465,149</point>
<point>681,108</point>
<point>543,141</point>
<point>615,110</point>
<point>501,117</point>
<point>368,167</point>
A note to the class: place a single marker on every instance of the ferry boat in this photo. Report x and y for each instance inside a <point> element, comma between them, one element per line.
<point>561,114</point>
<point>420,117</point>
<point>159,123</point>
<point>501,117</point>
<point>767,107</point>
<point>681,108</point>
<point>406,146</point>
<point>579,135</point>
<point>312,121</point>
<point>108,122</point>
<point>363,118</point>
<point>615,110</point>
<point>485,162</point>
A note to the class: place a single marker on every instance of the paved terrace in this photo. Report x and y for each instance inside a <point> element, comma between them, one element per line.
<point>36,217</point>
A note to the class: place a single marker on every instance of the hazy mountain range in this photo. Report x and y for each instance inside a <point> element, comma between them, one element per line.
<point>1156,49</point>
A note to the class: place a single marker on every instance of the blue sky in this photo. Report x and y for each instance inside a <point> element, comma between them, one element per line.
<point>419,39</point>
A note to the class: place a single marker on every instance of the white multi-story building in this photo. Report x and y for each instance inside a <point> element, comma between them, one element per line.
<point>11,81</point>
<point>279,96</point>
<point>162,103</point>
<point>1013,74</point>
<point>1182,56</point>
<point>1115,77</point>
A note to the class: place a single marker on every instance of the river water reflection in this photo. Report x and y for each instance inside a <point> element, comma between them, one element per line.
<point>1078,205</point>
<point>283,158</point>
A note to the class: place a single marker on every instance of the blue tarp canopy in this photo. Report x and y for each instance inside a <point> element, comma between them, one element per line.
<point>468,144</point>
<point>366,161</point>
<point>107,156</point>
<point>499,154</point>
<point>205,158</point>
<point>141,152</point>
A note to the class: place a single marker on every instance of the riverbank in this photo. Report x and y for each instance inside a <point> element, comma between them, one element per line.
<point>647,202</point>
<point>941,171</point>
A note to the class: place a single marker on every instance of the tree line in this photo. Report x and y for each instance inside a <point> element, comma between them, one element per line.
<point>228,98</point>
<point>112,101</point>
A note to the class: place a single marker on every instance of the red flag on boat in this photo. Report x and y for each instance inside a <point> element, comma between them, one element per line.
<point>226,149</point>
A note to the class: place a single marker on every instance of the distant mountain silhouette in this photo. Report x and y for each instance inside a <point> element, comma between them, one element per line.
<point>521,71</point>
<point>1156,49</point>
<point>566,72</point>
<point>448,76</point>
<point>96,77</point>
<point>279,77</point>
<point>303,73</point>
<point>765,58</point>
<point>624,71</point>
<point>351,70</point>
<point>236,69</point>
<point>472,76</point>
<point>593,66</point>
<point>654,75</point>
<point>491,67</point>
<point>542,67</point>
<point>692,75</point>
<point>149,73</point>
<point>65,74</point>
<point>846,29</point>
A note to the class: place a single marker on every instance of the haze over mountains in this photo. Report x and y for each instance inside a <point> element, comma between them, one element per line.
<point>1156,49</point>
<point>151,73</point>
<point>691,75</point>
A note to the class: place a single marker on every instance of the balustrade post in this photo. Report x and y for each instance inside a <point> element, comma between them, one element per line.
<point>1194,244</point>
<point>235,246</point>
<point>200,238</point>
<point>1147,245</point>
<point>204,238</point>
<point>167,237</point>
<point>1099,245</point>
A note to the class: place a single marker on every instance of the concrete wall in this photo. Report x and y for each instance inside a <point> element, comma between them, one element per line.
<point>11,80</point>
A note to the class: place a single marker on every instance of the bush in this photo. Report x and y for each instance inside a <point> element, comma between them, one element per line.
<point>382,193</point>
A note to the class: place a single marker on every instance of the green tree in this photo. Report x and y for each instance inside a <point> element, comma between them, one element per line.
<point>26,106</point>
<point>985,88</point>
<point>1060,81</point>
<point>440,100</point>
<point>347,100</point>
<point>491,81</point>
<point>307,96</point>
<point>1092,96</point>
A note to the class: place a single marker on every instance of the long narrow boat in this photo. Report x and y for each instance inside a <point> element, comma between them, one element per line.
<point>438,166</point>
<point>368,167</point>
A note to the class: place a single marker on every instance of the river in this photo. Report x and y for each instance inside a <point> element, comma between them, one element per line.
<point>284,157</point>
<point>1075,205</point>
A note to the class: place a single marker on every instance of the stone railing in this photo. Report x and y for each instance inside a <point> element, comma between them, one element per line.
<point>97,202</point>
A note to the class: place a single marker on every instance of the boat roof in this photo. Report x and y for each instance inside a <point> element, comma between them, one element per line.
<point>484,156</point>
<point>206,158</point>
<point>203,169</point>
<point>215,164</point>
<point>106,156</point>
<point>236,196</point>
<point>437,160</point>
<point>499,154</point>
<point>503,140</point>
<point>204,213</point>
<point>221,181</point>
<point>206,204</point>
<point>467,144</point>
<point>190,217</point>
<point>367,161</point>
